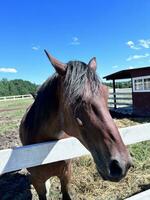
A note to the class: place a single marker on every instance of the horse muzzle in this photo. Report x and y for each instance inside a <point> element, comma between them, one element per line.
<point>115,171</point>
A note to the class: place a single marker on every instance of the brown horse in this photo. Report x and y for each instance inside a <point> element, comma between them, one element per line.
<point>73,102</point>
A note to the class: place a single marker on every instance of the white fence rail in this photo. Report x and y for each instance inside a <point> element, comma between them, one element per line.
<point>8,98</point>
<point>141,196</point>
<point>48,152</point>
<point>120,99</point>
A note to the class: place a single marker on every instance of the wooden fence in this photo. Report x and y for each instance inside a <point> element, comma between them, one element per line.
<point>120,99</point>
<point>48,152</point>
<point>17,97</point>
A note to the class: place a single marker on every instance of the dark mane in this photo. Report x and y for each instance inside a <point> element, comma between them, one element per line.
<point>46,103</point>
<point>75,81</point>
<point>47,99</point>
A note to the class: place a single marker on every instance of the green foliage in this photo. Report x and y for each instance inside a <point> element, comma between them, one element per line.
<point>16,87</point>
<point>122,84</point>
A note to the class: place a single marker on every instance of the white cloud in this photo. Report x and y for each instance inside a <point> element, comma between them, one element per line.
<point>139,44</point>
<point>136,57</point>
<point>35,48</point>
<point>75,41</point>
<point>8,70</point>
<point>115,66</point>
<point>130,67</point>
<point>145,43</point>
<point>131,44</point>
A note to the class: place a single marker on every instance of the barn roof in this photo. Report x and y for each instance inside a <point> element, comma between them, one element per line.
<point>129,73</point>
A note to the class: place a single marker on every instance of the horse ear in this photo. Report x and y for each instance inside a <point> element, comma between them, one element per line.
<point>92,63</point>
<point>59,67</point>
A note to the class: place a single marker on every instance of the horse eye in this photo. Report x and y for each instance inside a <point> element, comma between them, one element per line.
<point>95,110</point>
<point>79,122</point>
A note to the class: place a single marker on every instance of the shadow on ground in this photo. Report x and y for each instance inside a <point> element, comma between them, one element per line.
<point>15,186</point>
<point>133,117</point>
<point>145,187</point>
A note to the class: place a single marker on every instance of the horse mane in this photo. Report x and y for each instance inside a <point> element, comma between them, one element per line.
<point>77,73</point>
<point>45,103</point>
<point>75,81</point>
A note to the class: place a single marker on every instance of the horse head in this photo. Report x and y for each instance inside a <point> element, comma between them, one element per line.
<point>84,114</point>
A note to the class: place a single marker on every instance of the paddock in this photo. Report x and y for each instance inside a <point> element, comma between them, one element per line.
<point>22,157</point>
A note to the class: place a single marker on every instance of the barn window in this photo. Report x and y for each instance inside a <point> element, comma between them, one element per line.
<point>147,84</point>
<point>141,84</point>
<point>138,84</point>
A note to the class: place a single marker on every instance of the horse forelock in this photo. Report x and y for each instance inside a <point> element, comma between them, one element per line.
<point>75,82</point>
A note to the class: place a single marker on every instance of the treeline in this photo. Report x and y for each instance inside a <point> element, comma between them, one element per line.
<point>16,87</point>
<point>20,87</point>
<point>123,84</point>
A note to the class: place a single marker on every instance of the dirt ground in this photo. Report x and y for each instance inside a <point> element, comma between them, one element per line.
<point>14,186</point>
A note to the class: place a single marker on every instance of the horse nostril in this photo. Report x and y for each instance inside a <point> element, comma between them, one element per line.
<point>115,169</point>
<point>130,164</point>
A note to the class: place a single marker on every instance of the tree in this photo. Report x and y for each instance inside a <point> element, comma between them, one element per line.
<point>120,84</point>
<point>16,87</point>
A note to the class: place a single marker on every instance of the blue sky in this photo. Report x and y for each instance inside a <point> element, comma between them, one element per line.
<point>116,32</point>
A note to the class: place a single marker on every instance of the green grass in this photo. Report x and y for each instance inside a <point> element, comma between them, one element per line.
<point>11,104</point>
<point>7,127</point>
<point>10,120</point>
<point>15,114</point>
<point>140,153</point>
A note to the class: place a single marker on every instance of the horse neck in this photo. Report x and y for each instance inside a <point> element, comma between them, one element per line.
<point>45,111</point>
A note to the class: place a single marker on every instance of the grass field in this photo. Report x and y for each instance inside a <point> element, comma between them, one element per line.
<point>10,114</point>
<point>85,183</point>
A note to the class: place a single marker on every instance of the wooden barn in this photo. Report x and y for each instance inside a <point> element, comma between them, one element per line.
<point>140,80</point>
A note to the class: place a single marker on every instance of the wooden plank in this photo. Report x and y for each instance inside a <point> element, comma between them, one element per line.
<point>17,97</point>
<point>120,93</point>
<point>141,196</point>
<point>121,98</point>
<point>134,134</point>
<point>38,154</point>
<point>117,103</point>
<point>114,94</point>
<point>127,104</point>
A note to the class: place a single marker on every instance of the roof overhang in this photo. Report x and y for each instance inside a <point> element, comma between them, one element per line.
<point>128,73</point>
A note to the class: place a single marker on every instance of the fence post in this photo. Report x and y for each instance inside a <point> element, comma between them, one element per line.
<point>114,93</point>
